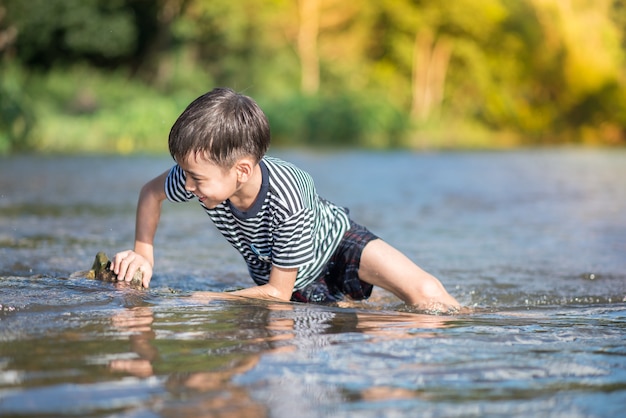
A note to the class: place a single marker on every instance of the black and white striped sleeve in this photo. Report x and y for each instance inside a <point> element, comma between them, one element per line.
<point>294,245</point>
<point>175,186</point>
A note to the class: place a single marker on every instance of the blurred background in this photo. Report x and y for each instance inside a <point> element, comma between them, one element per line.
<point>111,76</point>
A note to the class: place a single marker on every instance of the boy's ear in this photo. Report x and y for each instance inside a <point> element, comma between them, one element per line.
<point>245,168</point>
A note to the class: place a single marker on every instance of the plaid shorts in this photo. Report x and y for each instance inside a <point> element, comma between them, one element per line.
<point>341,275</point>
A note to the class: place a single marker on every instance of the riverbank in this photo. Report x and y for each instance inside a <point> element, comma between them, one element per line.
<point>86,111</point>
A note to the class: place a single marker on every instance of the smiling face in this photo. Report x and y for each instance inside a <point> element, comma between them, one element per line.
<point>213,184</point>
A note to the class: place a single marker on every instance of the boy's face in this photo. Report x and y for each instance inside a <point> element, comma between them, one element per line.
<point>211,183</point>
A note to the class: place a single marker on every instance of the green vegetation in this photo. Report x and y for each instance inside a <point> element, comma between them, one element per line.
<point>113,75</point>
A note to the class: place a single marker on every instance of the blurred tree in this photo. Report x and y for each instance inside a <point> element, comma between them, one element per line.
<point>309,16</point>
<point>16,120</point>
<point>62,31</point>
<point>618,14</point>
<point>8,32</point>
<point>154,21</point>
<point>574,71</point>
<point>542,69</point>
<point>580,33</point>
<point>417,44</point>
<point>235,42</point>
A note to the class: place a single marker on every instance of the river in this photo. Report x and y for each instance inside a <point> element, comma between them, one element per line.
<point>533,241</point>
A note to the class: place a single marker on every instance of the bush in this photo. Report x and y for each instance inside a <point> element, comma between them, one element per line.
<point>16,117</point>
<point>336,121</point>
<point>82,110</point>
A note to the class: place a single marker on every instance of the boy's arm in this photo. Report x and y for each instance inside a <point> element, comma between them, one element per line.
<point>280,286</point>
<point>126,263</point>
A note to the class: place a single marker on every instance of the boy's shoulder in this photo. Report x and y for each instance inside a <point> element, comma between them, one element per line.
<point>278,162</point>
<point>279,165</point>
<point>287,179</point>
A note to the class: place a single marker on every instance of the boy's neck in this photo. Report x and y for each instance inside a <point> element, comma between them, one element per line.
<point>248,192</point>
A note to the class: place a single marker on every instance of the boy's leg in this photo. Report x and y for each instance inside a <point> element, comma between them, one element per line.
<point>384,266</point>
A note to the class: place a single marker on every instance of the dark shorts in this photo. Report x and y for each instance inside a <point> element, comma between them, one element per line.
<point>341,275</point>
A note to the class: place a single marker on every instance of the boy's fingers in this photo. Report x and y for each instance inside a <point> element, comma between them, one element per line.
<point>145,281</point>
<point>146,270</point>
<point>127,266</point>
<point>117,261</point>
<point>126,263</point>
<point>133,263</point>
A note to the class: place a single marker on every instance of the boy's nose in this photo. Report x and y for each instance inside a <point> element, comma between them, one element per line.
<point>189,185</point>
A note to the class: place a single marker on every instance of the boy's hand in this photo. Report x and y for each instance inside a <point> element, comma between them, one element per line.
<point>126,263</point>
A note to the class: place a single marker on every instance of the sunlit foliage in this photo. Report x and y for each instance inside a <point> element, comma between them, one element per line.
<point>376,73</point>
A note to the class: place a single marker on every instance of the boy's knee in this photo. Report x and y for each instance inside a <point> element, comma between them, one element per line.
<point>428,290</point>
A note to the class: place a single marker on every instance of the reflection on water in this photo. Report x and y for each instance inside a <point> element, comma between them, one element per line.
<point>534,242</point>
<point>269,329</point>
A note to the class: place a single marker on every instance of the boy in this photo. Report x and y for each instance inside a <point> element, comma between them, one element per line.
<point>297,246</point>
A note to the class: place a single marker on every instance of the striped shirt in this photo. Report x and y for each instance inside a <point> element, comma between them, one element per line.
<point>288,226</point>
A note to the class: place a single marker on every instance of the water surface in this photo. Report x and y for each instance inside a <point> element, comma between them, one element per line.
<point>534,241</point>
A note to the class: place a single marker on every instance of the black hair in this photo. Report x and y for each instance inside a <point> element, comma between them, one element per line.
<point>224,126</point>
